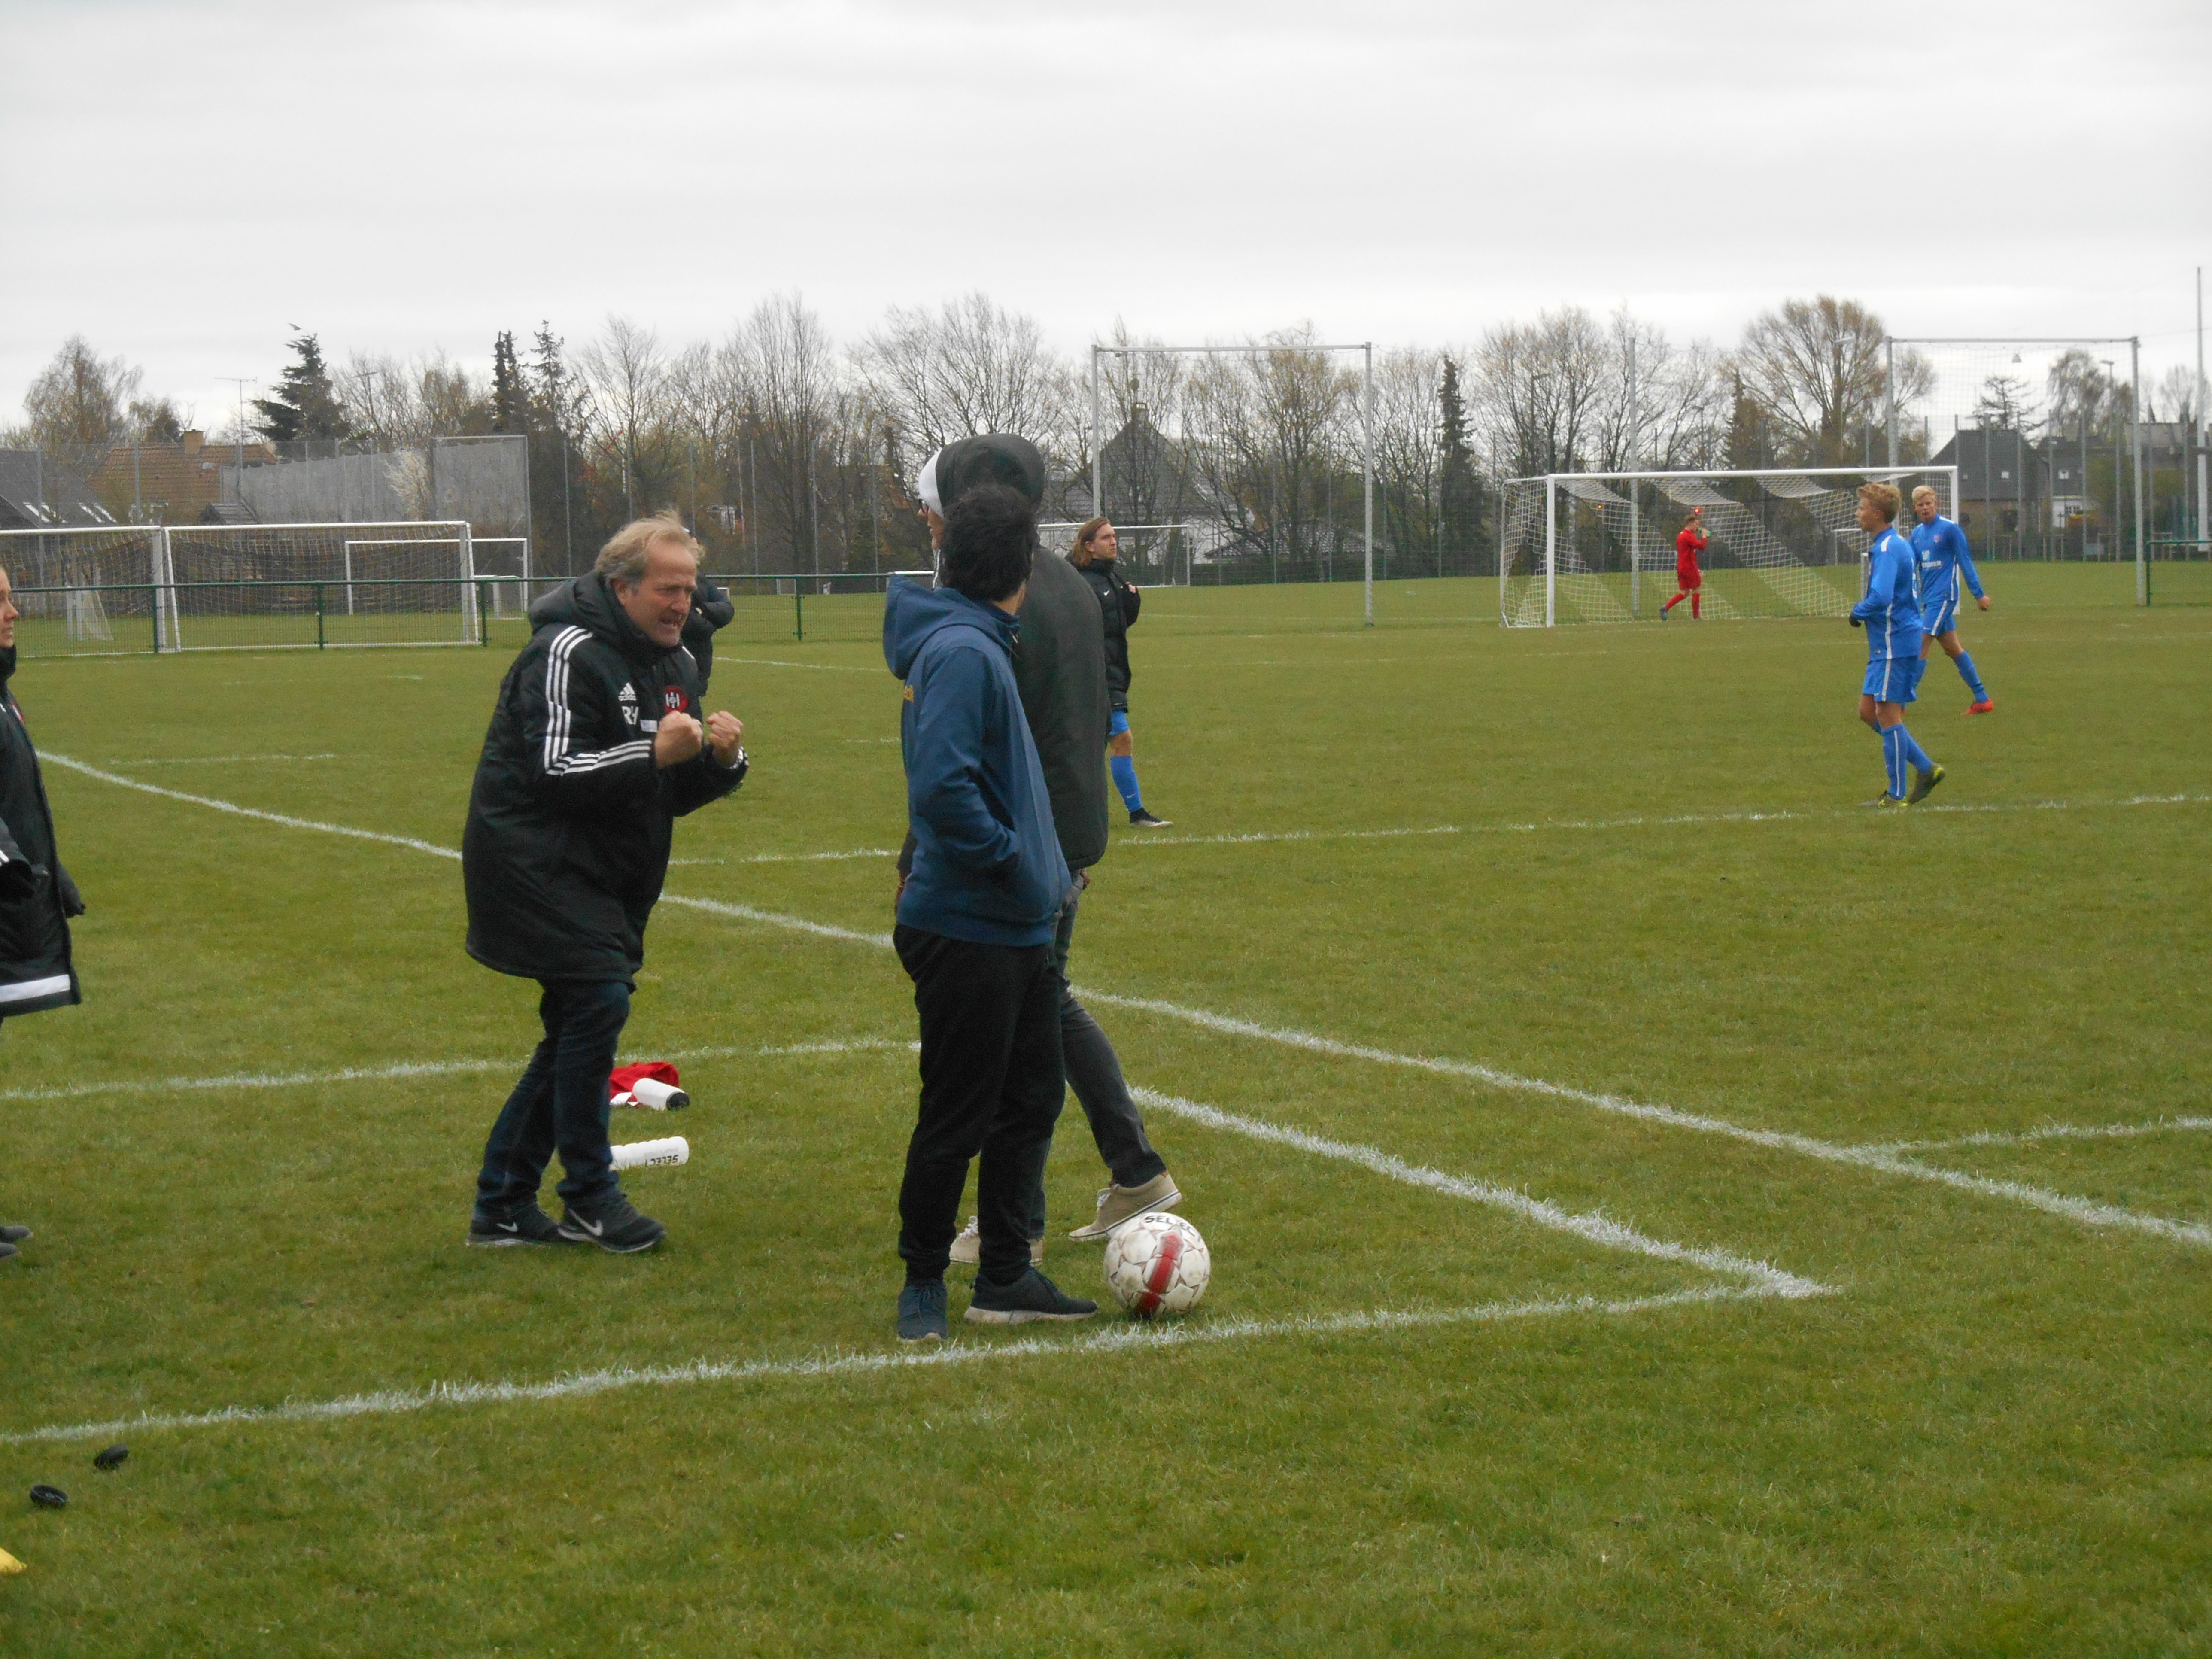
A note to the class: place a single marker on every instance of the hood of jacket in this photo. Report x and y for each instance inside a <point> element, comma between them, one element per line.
<point>587,603</point>
<point>912,613</point>
<point>999,458</point>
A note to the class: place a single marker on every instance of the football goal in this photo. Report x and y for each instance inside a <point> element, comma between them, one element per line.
<point>1599,546</point>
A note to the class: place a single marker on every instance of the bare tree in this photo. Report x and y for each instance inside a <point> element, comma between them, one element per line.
<point>1409,451</point>
<point>628,373</point>
<point>969,367</point>
<point>1817,371</point>
<point>77,405</point>
<point>1541,391</point>
<point>1270,433</point>
<point>783,360</point>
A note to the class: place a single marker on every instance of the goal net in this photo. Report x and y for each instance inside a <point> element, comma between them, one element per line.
<point>262,586</point>
<point>86,592</point>
<point>1599,546</point>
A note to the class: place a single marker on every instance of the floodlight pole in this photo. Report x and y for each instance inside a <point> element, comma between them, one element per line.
<point>2134,464</point>
<point>1097,440</point>
<point>1367,471</point>
<point>1889,397</point>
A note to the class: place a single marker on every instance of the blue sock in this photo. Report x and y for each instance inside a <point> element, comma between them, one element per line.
<point>1973,679</point>
<point>1124,769</point>
<point>1915,754</point>
<point>1893,759</point>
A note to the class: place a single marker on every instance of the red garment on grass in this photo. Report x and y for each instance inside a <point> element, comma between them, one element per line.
<point>625,1077</point>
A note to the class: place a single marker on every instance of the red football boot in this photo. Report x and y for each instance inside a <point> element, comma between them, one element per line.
<point>1986,706</point>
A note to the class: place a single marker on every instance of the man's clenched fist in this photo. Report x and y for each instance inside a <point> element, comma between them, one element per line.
<point>678,739</point>
<point>726,736</point>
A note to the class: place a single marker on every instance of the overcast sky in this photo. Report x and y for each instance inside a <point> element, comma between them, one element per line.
<point>182,183</point>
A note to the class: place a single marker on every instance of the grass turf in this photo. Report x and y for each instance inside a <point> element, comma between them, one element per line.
<point>1642,869</point>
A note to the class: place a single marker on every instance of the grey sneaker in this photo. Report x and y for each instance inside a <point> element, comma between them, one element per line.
<point>921,1312</point>
<point>14,1235</point>
<point>1032,1296</point>
<point>613,1223</point>
<point>968,1249</point>
<point>527,1225</point>
<point>1119,1204</point>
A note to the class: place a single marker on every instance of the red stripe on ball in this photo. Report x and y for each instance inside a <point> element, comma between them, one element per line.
<point>1163,1272</point>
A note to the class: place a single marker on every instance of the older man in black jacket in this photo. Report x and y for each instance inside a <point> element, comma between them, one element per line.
<point>596,747</point>
<point>37,897</point>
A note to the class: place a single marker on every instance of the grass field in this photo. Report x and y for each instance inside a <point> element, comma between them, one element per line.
<point>1632,1169</point>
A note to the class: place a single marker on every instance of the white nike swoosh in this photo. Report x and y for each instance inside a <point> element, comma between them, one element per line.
<point>508,1227</point>
<point>594,1228</point>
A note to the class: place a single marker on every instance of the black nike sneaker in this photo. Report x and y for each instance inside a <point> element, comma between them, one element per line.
<point>612,1224</point>
<point>527,1225</point>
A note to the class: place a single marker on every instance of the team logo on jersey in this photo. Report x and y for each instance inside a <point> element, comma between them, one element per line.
<point>671,699</point>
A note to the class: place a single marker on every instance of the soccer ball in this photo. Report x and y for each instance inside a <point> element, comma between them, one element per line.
<point>1158,1264</point>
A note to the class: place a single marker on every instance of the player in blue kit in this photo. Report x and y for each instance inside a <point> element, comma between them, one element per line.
<point>1890,613</point>
<point>1940,547</point>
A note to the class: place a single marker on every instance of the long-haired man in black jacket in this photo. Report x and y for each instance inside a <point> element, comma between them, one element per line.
<point>596,747</point>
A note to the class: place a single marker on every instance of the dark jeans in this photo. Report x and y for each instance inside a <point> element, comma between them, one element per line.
<point>991,1086</point>
<point>1094,1072</point>
<point>560,1101</point>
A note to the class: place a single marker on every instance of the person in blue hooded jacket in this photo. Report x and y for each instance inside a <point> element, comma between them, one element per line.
<point>977,921</point>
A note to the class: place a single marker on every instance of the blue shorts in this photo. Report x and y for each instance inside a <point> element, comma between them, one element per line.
<point>1119,724</point>
<point>1940,617</point>
<point>1893,679</point>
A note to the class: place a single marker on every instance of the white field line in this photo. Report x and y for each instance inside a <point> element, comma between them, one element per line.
<point>2048,1132</point>
<point>233,808</point>
<point>217,760</point>
<point>1637,822</point>
<point>1595,1229</point>
<point>826,667</point>
<point>1113,1340</point>
<point>1864,1158</point>
<point>797,858</point>
<point>414,1068</point>
<point>2073,1209</point>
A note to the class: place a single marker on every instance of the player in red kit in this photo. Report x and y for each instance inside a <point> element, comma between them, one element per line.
<point>1688,579</point>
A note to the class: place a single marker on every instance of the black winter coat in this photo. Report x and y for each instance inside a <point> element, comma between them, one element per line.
<point>569,822</point>
<point>1118,604</point>
<point>37,897</point>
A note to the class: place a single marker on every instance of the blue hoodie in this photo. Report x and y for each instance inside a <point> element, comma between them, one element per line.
<point>986,865</point>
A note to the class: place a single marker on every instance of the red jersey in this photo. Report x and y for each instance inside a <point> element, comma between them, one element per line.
<point>1687,546</point>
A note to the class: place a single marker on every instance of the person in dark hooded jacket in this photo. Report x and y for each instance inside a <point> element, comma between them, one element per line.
<point>37,897</point>
<point>975,921</point>
<point>1066,677</point>
<point>596,747</point>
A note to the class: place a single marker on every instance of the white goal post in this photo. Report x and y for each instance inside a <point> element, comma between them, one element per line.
<point>1782,541</point>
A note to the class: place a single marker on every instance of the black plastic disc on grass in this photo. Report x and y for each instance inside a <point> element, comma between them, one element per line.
<point>110,1458</point>
<point>49,1497</point>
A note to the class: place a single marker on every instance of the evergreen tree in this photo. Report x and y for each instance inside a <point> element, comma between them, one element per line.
<point>510,399</point>
<point>1459,494</point>
<point>306,404</point>
<point>559,401</point>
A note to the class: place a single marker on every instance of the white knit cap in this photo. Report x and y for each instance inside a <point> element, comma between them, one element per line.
<point>924,485</point>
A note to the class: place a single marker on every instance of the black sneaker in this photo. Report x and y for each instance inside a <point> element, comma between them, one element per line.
<point>1144,820</point>
<point>527,1225</point>
<point>612,1224</point>
<point>12,1235</point>
<point>7,1250</point>
<point>921,1312</point>
<point>1029,1297</point>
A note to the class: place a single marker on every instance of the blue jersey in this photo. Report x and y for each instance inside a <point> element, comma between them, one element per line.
<point>1940,550</point>
<point>1891,609</point>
